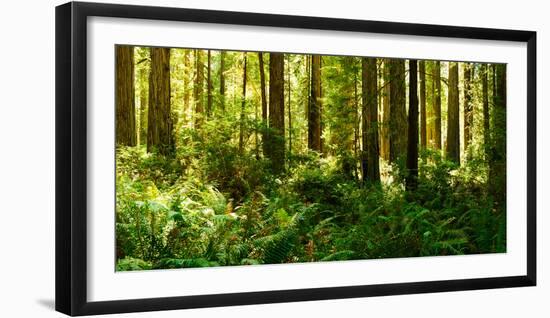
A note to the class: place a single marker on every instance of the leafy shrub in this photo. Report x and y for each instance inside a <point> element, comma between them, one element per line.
<point>132,264</point>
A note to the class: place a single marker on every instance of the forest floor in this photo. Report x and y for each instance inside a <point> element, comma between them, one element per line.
<point>210,205</point>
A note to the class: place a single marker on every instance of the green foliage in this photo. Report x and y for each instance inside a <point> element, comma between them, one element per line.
<point>313,213</point>
<point>132,264</point>
<point>183,263</point>
<point>277,248</point>
<point>216,202</point>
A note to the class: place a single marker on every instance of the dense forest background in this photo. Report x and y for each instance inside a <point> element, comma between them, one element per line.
<point>243,158</point>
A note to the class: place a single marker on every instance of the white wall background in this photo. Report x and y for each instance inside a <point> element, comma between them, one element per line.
<point>27,158</point>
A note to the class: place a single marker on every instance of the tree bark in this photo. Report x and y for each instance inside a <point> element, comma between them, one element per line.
<point>125,98</point>
<point>369,83</point>
<point>308,85</point>
<point>186,84</point>
<point>243,104</point>
<point>437,105</point>
<point>159,132</point>
<point>321,122</point>
<point>265,130</point>
<point>497,168</point>
<point>222,80</point>
<point>398,111</point>
<point>143,101</point>
<point>453,129</point>
<point>209,86</point>
<point>276,144</point>
<point>198,89</point>
<point>486,125</point>
<point>430,92</point>
<point>423,121</point>
<point>412,146</point>
<point>494,77</point>
<point>314,110</point>
<point>384,127</point>
<point>468,107</point>
<point>289,111</point>
<point>357,140</point>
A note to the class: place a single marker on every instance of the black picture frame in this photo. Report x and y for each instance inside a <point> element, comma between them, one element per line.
<point>71,157</point>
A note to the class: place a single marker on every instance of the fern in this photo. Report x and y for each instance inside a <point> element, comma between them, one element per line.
<point>339,256</point>
<point>132,264</point>
<point>182,263</point>
<point>277,247</point>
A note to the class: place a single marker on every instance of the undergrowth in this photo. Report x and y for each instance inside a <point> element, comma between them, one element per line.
<point>211,206</point>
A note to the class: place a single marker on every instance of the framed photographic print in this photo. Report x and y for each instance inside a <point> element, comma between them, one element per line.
<point>208,158</point>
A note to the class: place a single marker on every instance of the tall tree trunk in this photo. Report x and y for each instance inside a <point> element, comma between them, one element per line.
<point>276,138</point>
<point>256,139</point>
<point>265,130</point>
<point>125,98</point>
<point>430,92</point>
<point>468,107</point>
<point>159,132</point>
<point>289,111</point>
<point>398,111</point>
<point>453,128</point>
<point>423,121</point>
<point>198,89</point>
<point>357,113</point>
<point>437,105</point>
<point>187,108</point>
<point>486,125</point>
<point>321,122</point>
<point>384,129</point>
<point>222,80</point>
<point>497,168</point>
<point>379,84</point>
<point>143,102</point>
<point>243,104</point>
<point>345,110</point>
<point>412,145</point>
<point>369,83</point>
<point>308,86</point>
<point>209,86</point>
<point>314,111</point>
<point>494,77</point>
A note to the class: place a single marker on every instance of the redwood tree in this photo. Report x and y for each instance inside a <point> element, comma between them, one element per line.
<point>264,103</point>
<point>289,107</point>
<point>243,104</point>
<point>412,143</point>
<point>423,121</point>
<point>453,129</point>
<point>314,109</point>
<point>125,99</point>
<point>486,124</point>
<point>222,80</point>
<point>468,106</point>
<point>370,164</point>
<point>276,139</point>
<point>436,99</point>
<point>159,129</point>
<point>497,167</point>
<point>209,85</point>
<point>384,125</point>
<point>186,82</point>
<point>143,78</point>
<point>398,111</point>
<point>198,89</point>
